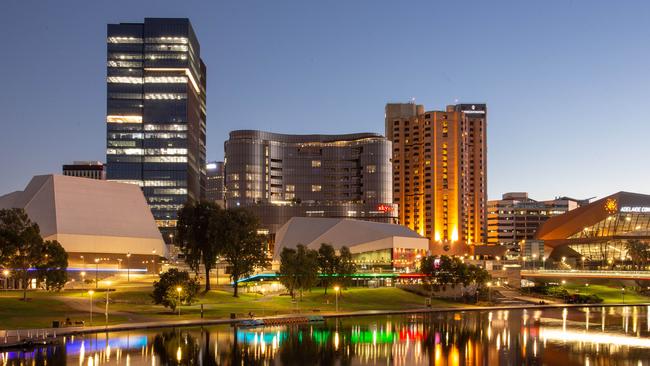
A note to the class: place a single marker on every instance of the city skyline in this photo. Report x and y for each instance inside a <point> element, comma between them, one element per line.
<point>557,101</point>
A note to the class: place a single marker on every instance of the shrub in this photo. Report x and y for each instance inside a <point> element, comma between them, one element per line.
<point>165,290</point>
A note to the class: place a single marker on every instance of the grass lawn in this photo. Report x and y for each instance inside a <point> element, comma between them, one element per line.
<point>133,304</point>
<point>609,294</point>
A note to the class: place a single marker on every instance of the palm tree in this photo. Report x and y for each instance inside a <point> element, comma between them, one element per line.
<point>638,251</point>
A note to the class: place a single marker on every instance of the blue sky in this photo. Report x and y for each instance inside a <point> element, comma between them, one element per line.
<point>567,83</point>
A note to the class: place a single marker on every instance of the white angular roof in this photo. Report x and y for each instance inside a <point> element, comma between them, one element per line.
<point>89,215</point>
<point>358,235</point>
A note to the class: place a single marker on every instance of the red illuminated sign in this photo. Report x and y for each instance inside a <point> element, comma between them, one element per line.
<point>384,208</point>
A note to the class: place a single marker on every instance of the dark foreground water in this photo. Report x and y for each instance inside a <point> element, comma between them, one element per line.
<point>565,337</point>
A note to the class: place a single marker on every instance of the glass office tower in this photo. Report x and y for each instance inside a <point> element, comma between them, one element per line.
<point>156,113</point>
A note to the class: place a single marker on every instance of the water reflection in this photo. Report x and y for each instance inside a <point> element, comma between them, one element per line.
<point>586,336</point>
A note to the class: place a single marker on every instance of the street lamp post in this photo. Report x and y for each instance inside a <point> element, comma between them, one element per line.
<point>336,294</point>
<point>489,285</point>
<point>108,288</point>
<point>534,261</point>
<point>83,279</point>
<point>96,273</point>
<point>128,267</point>
<point>153,260</point>
<point>179,290</point>
<point>90,293</point>
<point>6,274</point>
<point>623,293</point>
<point>544,263</point>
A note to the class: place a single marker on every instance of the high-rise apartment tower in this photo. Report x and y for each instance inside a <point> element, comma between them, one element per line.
<point>440,172</point>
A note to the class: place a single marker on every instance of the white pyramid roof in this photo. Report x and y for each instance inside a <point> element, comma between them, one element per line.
<point>88,215</point>
<point>359,236</point>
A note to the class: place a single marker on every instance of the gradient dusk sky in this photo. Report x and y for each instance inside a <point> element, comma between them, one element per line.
<point>567,83</point>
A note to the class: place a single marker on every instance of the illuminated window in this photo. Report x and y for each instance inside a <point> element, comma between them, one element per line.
<point>123,40</point>
<point>166,56</point>
<point>166,96</point>
<point>290,188</point>
<point>124,119</point>
<point>165,127</point>
<point>173,191</point>
<point>165,159</point>
<point>124,79</point>
<point>167,151</point>
<point>121,63</point>
<point>315,163</point>
<point>371,169</point>
<point>181,40</point>
<point>371,194</point>
<point>121,143</point>
<point>124,152</point>
<point>165,79</point>
<point>164,183</point>
<point>166,47</point>
<point>316,187</point>
<point>165,135</point>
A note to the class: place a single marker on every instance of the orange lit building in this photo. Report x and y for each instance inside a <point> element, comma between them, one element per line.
<point>440,172</point>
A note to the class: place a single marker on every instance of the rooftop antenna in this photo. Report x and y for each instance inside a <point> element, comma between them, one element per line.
<point>455,100</point>
<point>412,100</point>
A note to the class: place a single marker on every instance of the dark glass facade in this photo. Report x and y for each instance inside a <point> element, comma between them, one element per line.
<point>282,176</point>
<point>215,190</point>
<point>156,113</point>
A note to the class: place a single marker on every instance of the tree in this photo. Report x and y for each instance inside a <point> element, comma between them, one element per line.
<point>197,236</point>
<point>22,247</point>
<point>288,273</point>
<point>243,248</point>
<point>444,271</point>
<point>639,252</point>
<point>328,264</point>
<point>307,269</point>
<point>298,269</point>
<point>52,271</point>
<point>346,267</point>
<point>165,290</point>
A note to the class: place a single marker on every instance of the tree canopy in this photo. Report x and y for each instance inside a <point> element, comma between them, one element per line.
<point>22,248</point>
<point>243,248</point>
<point>298,269</point>
<point>198,236</point>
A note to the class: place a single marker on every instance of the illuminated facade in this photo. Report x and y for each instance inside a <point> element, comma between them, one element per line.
<point>516,217</point>
<point>215,189</point>
<point>156,113</point>
<point>372,244</point>
<point>599,232</point>
<point>281,176</point>
<point>440,172</point>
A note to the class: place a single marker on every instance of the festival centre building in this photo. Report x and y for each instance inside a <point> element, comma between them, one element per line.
<point>374,245</point>
<point>97,222</point>
<point>600,231</point>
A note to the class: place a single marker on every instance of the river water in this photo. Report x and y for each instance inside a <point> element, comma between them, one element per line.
<point>565,337</point>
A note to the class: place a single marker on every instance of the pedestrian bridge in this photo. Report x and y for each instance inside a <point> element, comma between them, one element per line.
<point>618,275</point>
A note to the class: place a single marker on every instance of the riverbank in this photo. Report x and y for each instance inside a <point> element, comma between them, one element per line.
<point>133,305</point>
<point>49,333</point>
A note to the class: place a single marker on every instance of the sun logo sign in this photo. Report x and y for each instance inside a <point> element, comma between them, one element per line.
<point>611,206</point>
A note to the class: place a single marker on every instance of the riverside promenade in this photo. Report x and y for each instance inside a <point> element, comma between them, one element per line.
<point>9,337</point>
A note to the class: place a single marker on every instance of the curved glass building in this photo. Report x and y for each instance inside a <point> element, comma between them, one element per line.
<point>601,233</point>
<point>281,176</point>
